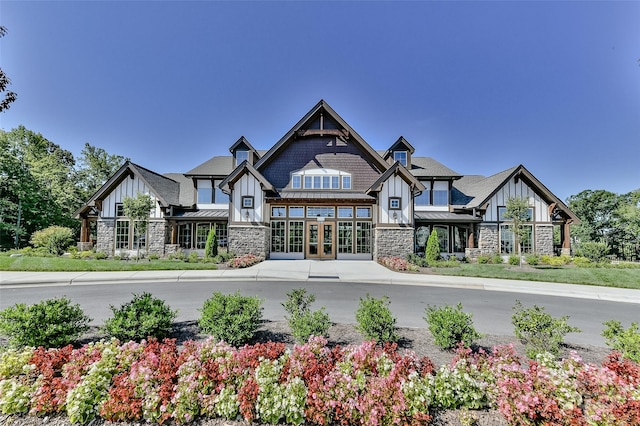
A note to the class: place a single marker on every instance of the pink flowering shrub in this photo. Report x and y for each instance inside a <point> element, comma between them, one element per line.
<point>244,261</point>
<point>397,263</point>
<point>312,384</point>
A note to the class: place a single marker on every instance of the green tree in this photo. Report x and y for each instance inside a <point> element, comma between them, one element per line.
<point>211,246</point>
<point>432,251</point>
<point>9,96</point>
<point>596,210</point>
<point>517,211</point>
<point>138,209</point>
<point>95,167</point>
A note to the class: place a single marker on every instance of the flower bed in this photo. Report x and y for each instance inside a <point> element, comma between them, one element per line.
<point>357,385</point>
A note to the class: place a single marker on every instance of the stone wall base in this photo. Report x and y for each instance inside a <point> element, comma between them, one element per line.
<point>85,246</point>
<point>249,240</point>
<point>393,242</point>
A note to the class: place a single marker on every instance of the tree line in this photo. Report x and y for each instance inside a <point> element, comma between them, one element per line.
<point>42,184</point>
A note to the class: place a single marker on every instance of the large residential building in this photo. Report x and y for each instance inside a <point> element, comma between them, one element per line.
<point>322,192</point>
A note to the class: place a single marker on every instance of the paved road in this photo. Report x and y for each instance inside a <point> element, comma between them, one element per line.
<point>491,310</point>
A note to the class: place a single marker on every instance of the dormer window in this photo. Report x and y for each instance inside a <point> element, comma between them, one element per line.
<point>400,156</point>
<point>241,156</point>
<point>321,179</point>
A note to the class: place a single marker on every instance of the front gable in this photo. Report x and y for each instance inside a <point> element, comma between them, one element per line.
<point>321,140</point>
<point>129,181</point>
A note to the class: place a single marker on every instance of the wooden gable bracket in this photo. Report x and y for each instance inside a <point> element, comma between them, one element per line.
<point>551,209</point>
<point>98,205</point>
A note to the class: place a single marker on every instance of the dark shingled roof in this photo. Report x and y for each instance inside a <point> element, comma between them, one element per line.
<point>187,191</point>
<point>215,166</point>
<point>428,167</point>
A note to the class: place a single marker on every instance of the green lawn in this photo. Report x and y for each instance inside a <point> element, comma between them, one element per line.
<point>603,276</point>
<point>609,277</point>
<point>33,264</point>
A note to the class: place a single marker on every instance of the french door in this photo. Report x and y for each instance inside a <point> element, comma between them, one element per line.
<point>320,240</point>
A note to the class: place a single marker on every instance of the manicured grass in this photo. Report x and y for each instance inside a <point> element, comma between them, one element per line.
<point>607,277</point>
<point>38,264</point>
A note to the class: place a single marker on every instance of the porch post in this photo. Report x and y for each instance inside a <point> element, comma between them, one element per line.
<point>84,230</point>
<point>471,237</point>
<point>566,238</point>
<point>174,233</point>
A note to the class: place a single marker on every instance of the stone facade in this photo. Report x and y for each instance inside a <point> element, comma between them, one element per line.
<point>393,242</point>
<point>157,232</point>
<point>544,239</point>
<point>488,239</point>
<point>249,240</point>
<point>106,236</point>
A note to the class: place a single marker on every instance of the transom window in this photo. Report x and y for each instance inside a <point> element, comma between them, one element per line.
<point>503,210</point>
<point>321,179</point>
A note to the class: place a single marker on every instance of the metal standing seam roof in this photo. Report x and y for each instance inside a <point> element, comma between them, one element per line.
<point>204,214</point>
<point>445,217</point>
<point>322,195</point>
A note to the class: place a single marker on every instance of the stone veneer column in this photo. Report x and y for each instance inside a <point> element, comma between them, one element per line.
<point>392,242</point>
<point>106,236</point>
<point>157,235</point>
<point>249,240</point>
<point>544,239</point>
<point>488,238</point>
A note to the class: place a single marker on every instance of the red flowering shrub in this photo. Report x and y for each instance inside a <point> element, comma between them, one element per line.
<point>244,261</point>
<point>358,385</point>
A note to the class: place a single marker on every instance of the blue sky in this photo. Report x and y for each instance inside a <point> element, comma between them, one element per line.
<point>479,86</point>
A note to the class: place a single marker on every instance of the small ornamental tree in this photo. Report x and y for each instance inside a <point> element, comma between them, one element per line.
<point>138,209</point>
<point>211,247</point>
<point>55,239</point>
<point>517,211</point>
<point>432,253</point>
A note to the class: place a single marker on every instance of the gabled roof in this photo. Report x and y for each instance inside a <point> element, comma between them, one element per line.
<point>428,167</point>
<point>215,166</point>
<point>243,142</point>
<point>166,190</point>
<point>240,171</point>
<point>479,190</point>
<point>346,132</point>
<point>400,170</point>
<point>398,145</point>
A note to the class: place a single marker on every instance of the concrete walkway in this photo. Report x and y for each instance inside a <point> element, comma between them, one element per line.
<point>314,270</point>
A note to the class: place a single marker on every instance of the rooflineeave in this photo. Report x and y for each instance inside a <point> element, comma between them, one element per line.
<point>520,172</point>
<point>400,170</point>
<point>350,133</point>
<point>227,184</point>
<point>128,169</point>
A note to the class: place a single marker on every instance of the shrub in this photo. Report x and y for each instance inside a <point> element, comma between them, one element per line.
<point>193,257</point>
<point>55,239</point>
<point>417,260</point>
<point>582,262</point>
<point>211,247</point>
<point>595,251</point>
<point>514,260</point>
<point>432,251</point>
<point>50,323</point>
<point>532,259</point>
<point>143,316</point>
<point>497,259</point>
<point>375,320</point>
<point>303,322</point>
<point>232,317</point>
<point>244,261</point>
<point>626,341</point>
<point>451,326</point>
<point>483,260</point>
<point>538,330</point>
<point>153,256</point>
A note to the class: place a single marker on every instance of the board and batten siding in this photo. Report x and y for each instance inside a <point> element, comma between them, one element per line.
<point>518,190</point>
<point>248,186</point>
<point>395,186</point>
<point>128,188</point>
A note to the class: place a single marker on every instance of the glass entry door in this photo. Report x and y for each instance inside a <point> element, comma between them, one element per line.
<point>320,240</point>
